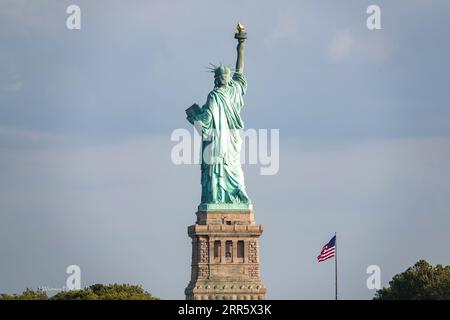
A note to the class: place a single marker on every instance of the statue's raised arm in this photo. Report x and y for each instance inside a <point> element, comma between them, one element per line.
<point>241,35</point>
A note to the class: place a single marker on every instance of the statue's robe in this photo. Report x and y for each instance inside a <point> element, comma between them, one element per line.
<point>222,178</point>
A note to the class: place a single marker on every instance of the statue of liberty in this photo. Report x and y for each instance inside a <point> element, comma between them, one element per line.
<point>219,121</point>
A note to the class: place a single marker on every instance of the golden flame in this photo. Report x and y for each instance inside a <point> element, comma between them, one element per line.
<point>240,27</point>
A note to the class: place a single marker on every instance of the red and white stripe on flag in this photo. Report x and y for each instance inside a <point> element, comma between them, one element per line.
<point>328,250</point>
<point>326,253</point>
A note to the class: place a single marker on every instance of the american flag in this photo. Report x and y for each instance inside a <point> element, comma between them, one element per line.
<point>328,250</point>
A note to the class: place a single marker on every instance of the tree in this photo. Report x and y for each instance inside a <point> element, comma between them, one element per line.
<point>419,282</point>
<point>93,292</point>
<point>28,294</point>
<point>106,292</point>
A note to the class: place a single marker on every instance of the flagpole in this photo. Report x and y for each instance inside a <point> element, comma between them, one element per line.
<point>335,268</point>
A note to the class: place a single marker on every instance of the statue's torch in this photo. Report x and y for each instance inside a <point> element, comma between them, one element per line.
<point>241,35</point>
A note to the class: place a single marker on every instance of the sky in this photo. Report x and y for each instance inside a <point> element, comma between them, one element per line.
<point>86,117</point>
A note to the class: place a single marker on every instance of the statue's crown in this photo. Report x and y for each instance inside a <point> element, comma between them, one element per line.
<point>219,70</point>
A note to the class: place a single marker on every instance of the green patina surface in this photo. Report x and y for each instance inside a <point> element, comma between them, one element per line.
<point>219,121</point>
<point>225,206</point>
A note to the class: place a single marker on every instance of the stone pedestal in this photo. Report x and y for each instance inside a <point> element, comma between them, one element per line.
<point>225,256</point>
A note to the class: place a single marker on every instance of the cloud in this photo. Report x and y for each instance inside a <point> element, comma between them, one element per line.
<point>341,45</point>
<point>13,87</point>
<point>371,46</point>
<point>27,17</point>
<point>376,48</point>
<point>17,135</point>
<point>12,81</point>
<point>286,27</point>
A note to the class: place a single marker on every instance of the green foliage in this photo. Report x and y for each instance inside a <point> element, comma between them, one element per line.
<point>94,292</point>
<point>106,292</point>
<point>419,282</point>
<point>28,294</point>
